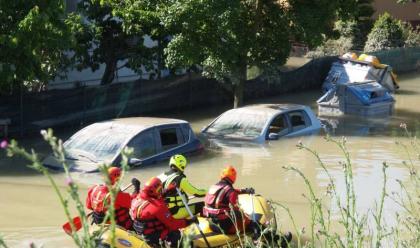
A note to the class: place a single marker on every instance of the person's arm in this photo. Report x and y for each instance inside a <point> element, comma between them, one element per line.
<point>167,219</point>
<point>233,197</point>
<point>188,188</point>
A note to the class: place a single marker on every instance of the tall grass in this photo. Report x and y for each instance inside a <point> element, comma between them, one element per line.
<point>358,230</point>
<point>71,197</point>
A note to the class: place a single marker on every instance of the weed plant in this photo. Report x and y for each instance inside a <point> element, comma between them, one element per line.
<point>82,238</point>
<point>358,231</point>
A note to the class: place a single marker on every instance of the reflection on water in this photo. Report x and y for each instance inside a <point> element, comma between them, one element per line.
<point>355,126</point>
<point>30,210</point>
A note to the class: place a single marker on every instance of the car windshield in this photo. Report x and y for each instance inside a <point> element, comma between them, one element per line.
<point>239,123</point>
<point>98,142</point>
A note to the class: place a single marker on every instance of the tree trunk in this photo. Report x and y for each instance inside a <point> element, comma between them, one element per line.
<point>109,73</point>
<point>159,58</point>
<point>238,87</point>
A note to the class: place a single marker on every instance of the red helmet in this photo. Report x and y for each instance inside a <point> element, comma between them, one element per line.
<point>153,187</point>
<point>114,174</point>
<point>229,173</point>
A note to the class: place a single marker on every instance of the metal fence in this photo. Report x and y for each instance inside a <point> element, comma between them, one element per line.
<point>30,112</point>
<point>401,59</point>
<point>74,108</point>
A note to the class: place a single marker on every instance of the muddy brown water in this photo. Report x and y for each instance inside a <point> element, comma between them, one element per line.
<point>30,211</point>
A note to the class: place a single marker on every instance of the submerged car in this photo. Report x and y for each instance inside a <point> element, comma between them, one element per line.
<point>263,122</point>
<point>152,140</point>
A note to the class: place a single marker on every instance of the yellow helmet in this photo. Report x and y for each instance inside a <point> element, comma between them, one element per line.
<point>179,161</point>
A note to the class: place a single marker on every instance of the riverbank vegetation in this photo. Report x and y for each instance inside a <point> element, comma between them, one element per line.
<point>77,227</point>
<point>360,36</point>
<point>335,220</point>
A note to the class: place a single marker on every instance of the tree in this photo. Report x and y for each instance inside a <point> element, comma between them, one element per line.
<point>347,41</point>
<point>352,32</point>
<point>363,19</point>
<point>141,17</point>
<point>411,35</point>
<point>33,39</point>
<point>102,39</point>
<point>386,33</point>
<point>227,37</point>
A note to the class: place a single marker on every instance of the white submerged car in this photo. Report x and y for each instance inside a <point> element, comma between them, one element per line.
<point>262,122</point>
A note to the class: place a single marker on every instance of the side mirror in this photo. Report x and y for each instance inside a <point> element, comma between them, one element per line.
<point>273,136</point>
<point>134,162</point>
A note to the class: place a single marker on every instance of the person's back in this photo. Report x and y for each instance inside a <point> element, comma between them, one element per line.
<point>175,178</point>
<point>98,200</point>
<point>152,218</point>
<point>222,200</point>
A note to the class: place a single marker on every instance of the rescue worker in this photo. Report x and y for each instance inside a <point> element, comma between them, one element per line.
<point>99,197</point>
<point>175,178</point>
<point>152,218</point>
<point>221,203</point>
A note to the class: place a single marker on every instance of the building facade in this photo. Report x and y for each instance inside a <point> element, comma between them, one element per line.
<point>409,12</point>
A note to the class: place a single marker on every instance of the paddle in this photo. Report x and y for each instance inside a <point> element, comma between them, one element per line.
<point>256,228</point>
<point>192,216</point>
<point>77,221</point>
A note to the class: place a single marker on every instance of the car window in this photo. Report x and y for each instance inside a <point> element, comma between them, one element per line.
<point>170,138</point>
<point>143,144</point>
<point>279,125</point>
<point>298,120</point>
<point>186,132</point>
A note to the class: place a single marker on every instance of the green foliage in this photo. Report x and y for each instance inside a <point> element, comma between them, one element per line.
<point>227,37</point>
<point>407,232</point>
<point>352,33</point>
<point>33,38</point>
<point>347,41</point>
<point>104,38</point>
<point>2,243</point>
<point>139,18</point>
<point>386,33</point>
<point>411,35</point>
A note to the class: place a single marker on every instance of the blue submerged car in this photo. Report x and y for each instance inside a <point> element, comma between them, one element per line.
<point>261,122</point>
<point>152,139</point>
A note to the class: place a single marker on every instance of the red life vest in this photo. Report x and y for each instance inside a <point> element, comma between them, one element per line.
<point>141,224</point>
<point>99,195</point>
<point>100,198</point>
<point>217,200</point>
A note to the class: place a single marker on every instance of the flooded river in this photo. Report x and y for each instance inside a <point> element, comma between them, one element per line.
<point>30,212</point>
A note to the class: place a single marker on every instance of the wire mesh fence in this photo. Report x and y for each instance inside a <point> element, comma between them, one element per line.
<point>401,59</point>
<point>76,107</point>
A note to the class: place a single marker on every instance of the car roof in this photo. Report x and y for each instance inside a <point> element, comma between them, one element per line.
<point>271,108</point>
<point>137,124</point>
